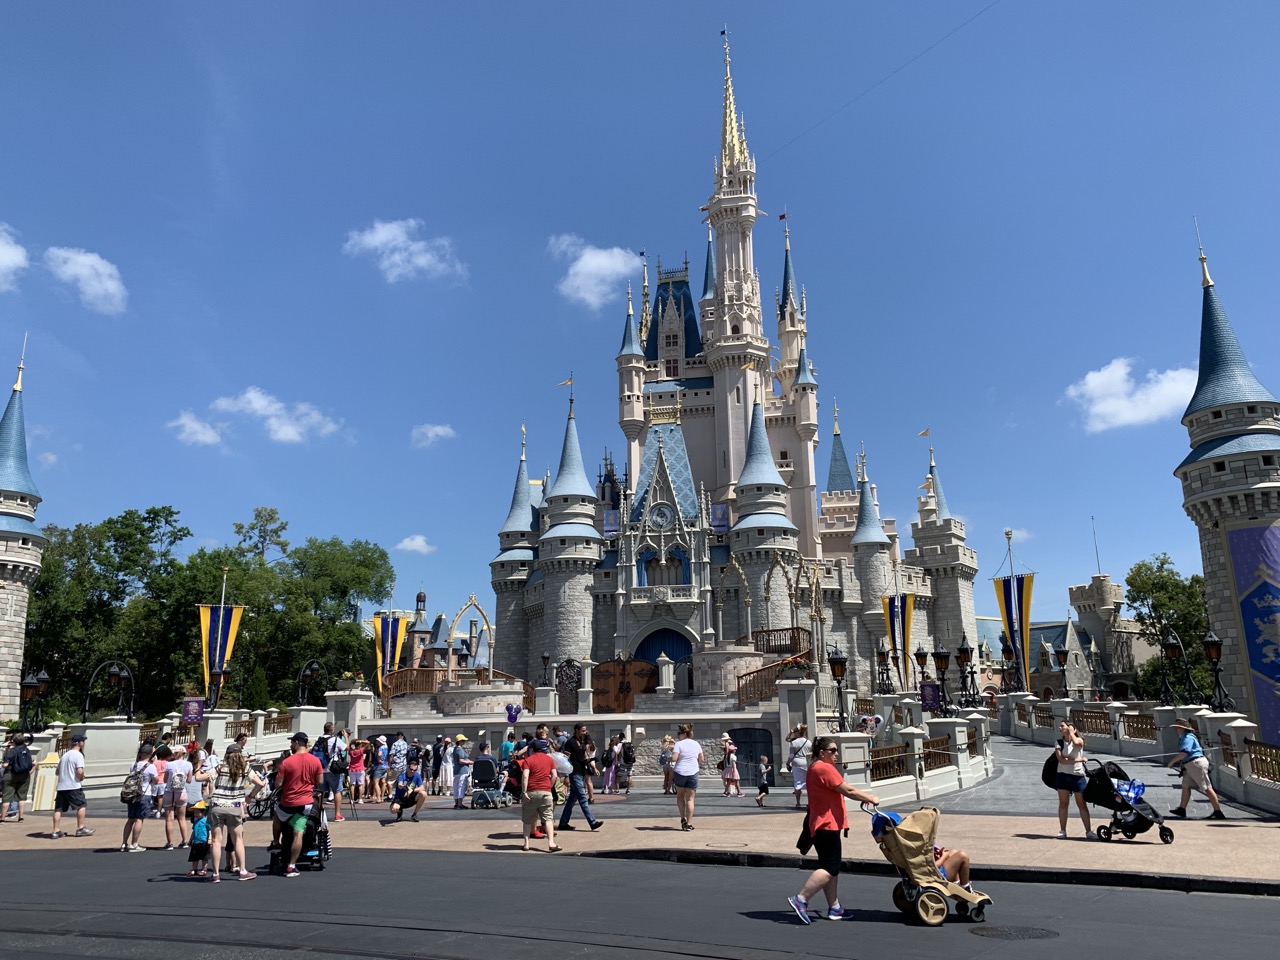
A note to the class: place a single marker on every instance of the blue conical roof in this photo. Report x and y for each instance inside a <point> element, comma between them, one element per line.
<point>759,470</point>
<point>789,295</point>
<point>630,334</point>
<point>15,475</point>
<point>709,274</point>
<point>1225,376</point>
<point>803,374</point>
<point>870,529</point>
<point>571,477</point>
<point>520,517</point>
<point>944,512</point>
<point>839,476</point>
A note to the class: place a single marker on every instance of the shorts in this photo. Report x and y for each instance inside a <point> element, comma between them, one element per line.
<point>764,788</point>
<point>140,809</point>
<point>333,782</point>
<point>826,844</point>
<point>178,799</point>
<point>68,800</point>
<point>16,787</point>
<point>1196,773</point>
<point>357,777</point>
<point>380,772</point>
<point>943,870</point>
<point>229,817</point>
<point>685,781</point>
<point>1070,781</point>
<point>295,817</point>
<point>408,800</point>
<point>199,851</point>
<point>536,807</point>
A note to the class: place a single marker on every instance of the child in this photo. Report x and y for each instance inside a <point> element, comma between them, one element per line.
<point>766,768</point>
<point>199,856</point>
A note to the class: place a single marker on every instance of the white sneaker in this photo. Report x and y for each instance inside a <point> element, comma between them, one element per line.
<point>1090,835</point>
<point>137,849</point>
<point>1062,835</point>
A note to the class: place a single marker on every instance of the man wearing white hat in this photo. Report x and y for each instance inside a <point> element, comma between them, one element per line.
<point>461,770</point>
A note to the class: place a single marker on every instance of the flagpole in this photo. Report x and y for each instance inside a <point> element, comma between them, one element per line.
<point>1015,614</point>
<point>898,616</point>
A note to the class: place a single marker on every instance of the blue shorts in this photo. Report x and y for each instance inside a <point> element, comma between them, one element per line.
<point>140,809</point>
<point>379,772</point>
<point>685,781</point>
<point>1069,781</point>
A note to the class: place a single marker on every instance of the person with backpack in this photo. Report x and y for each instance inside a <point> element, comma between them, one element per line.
<point>17,765</point>
<point>136,795</point>
<point>334,753</point>
<point>610,761</point>
<point>178,773</point>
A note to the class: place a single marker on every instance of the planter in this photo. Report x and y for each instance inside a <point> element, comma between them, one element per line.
<point>348,685</point>
<point>794,673</point>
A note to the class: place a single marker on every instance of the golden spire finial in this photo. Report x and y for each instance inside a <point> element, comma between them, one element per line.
<point>17,384</point>
<point>731,142</point>
<point>835,410</point>
<point>1207,280</point>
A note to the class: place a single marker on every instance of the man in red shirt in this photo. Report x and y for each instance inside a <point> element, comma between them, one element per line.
<point>537,773</point>
<point>827,818</point>
<point>299,777</point>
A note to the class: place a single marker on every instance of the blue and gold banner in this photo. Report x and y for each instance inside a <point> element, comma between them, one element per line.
<point>1255,568</point>
<point>388,639</point>
<point>1013,594</point>
<point>897,614</point>
<point>219,624</point>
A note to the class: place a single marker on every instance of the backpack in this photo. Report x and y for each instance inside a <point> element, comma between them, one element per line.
<point>414,755</point>
<point>177,782</point>
<point>21,762</point>
<point>339,762</point>
<point>629,754</point>
<point>131,789</point>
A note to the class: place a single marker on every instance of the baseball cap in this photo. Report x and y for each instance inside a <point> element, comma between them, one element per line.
<point>460,738</point>
<point>299,737</point>
<point>232,748</point>
<point>78,738</point>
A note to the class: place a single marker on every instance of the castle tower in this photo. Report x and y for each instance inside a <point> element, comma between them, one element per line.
<point>509,573</point>
<point>791,321</point>
<point>940,550</point>
<point>737,351</point>
<point>631,392</point>
<point>872,554</point>
<point>838,503</point>
<point>1231,490</point>
<point>23,548</point>
<point>568,553</point>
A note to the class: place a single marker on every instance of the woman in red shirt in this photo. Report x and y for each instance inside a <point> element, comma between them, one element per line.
<point>537,771</point>
<point>826,818</point>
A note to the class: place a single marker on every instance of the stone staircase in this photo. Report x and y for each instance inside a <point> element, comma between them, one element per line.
<point>416,706</point>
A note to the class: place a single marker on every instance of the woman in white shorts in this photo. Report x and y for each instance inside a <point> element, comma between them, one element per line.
<point>798,759</point>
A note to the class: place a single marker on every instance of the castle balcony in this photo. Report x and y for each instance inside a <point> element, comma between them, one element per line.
<point>666,593</point>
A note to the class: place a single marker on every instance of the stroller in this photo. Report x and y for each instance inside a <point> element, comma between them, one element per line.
<point>316,848</point>
<point>1108,786</point>
<point>907,843</point>
<point>484,784</point>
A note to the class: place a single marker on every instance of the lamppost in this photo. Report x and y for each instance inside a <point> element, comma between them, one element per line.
<point>942,660</point>
<point>1173,648</point>
<point>120,677</point>
<point>882,660</point>
<point>308,675</point>
<point>968,683</point>
<point>1062,655</point>
<point>1010,675</point>
<point>216,679</point>
<point>546,676</point>
<point>838,662</point>
<point>1168,651</point>
<point>31,712</point>
<point>922,661</point>
<point>1221,702</point>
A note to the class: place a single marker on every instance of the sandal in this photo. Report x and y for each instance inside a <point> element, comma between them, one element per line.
<point>191,873</point>
<point>201,873</point>
<point>554,849</point>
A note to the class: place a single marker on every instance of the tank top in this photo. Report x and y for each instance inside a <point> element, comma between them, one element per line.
<point>226,791</point>
<point>1073,752</point>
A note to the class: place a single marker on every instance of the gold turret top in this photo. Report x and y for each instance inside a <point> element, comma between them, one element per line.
<point>733,141</point>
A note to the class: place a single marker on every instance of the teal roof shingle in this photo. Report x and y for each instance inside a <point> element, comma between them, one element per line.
<point>870,529</point>
<point>760,469</point>
<point>15,475</point>
<point>839,476</point>
<point>571,477</point>
<point>1225,375</point>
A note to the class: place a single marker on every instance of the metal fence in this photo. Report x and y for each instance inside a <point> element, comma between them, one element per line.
<point>889,762</point>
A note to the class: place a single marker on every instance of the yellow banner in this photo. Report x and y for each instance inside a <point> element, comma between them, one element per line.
<point>388,640</point>
<point>1013,594</point>
<point>219,624</point>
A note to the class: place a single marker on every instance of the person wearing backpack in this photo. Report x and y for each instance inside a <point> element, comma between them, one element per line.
<point>17,765</point>
<point>334,752</point>
<point>178,773</point>
<point>136,794</point>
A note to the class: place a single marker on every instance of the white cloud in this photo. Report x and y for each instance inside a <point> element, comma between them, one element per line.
<point>594,272</point>
<point>416,543</point>
<point>195,432</point>
<point>48,459</point>
<point>283,423</point>
<point>425,434</point>
<point>1021,536</point>
<point>401,255</point>
<point>98,280</point>
<point>1111,398</point>
<point>13,258</point>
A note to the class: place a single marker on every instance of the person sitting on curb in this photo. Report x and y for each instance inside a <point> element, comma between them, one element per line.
<point>1195,771</point>
<point>409,790</point>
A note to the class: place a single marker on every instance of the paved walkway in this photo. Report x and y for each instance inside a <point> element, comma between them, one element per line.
<point>1008,822</point>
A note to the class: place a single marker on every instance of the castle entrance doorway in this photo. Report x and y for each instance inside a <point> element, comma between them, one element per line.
<point>615,683</point>
<point>568,683</point>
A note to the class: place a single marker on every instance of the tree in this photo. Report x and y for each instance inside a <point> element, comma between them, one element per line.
<point>1162,600</point>
<point>265,530</point>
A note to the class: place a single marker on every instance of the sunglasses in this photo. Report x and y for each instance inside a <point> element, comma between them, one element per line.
<point>829,750</point>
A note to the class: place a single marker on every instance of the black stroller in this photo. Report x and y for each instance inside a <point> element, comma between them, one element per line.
<point>316,847</point>
<point>1108,786</point>
<point>484,784</point>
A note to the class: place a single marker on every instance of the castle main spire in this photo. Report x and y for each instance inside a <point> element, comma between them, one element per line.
<point>733,141</point>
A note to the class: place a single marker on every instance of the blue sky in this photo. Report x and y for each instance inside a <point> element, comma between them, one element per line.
<point>328,258</point>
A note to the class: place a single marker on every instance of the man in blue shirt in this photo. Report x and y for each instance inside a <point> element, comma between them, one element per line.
<point>409,789</point>
<point>1195,770</point>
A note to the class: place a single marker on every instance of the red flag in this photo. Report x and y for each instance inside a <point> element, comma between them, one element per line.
<point>782,216</point>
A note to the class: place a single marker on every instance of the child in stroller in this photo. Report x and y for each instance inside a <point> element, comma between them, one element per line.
<point>925,868</point>
<point>1109,787</point>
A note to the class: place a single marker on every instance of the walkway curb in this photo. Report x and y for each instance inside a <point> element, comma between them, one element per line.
<point>1178,883</point>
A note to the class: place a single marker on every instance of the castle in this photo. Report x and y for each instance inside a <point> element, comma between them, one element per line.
<point>715,533</point>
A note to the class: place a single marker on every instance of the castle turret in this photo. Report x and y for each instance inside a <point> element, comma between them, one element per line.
<point>1231,490</point>
<point>707,305</point>
<point>941,551</point>
<point>509,573</point>
<point>631,391</point>
<point>23,548</point>
<point>791,322</point>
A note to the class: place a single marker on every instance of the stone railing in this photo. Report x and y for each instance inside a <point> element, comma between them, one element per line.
<point>888,762</point>
<point>1140,726</point>
<point>789,641</point>
<point>237,727</point>
<point>1092,721</point>
<point>757,685</point>
<point>971,741</point>
<point>1024,715</point>
<point>1043,715</point>
<point>937,753</point>
<point>1264,760</point>
<point>665,593</point>
<point>910,763</point>
<point>273,726</point>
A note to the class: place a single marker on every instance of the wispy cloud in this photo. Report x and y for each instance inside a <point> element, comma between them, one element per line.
<point>401,255</point>
<point>426,434</point>
<point>594,272</point>
<point>283,422</point>
<point>416,543</point>
<point>47,459</point>
<point>1111,398</point>
<point>97,280</point>
<point>193,431</point>
<point>13,258</point>
<point>1021,535</point>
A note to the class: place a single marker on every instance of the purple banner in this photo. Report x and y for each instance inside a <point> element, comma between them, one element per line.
<point>1255,563</point>
<point>193,711</point>
<point>720,518</point>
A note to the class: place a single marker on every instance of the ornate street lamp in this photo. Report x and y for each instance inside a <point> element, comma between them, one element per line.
<point>1173,650</point>
<point>1062,655</point>
<point>119,678</point>
<point>885,685</point>
<point>1170,647</point>
<point>31,709</point>
<point>968,683</point>
<point>922,661</point>
<point>1010,673</point>
<point>546,676</point>
<point>1221,702</point>
<point>307,676</point>
<point>942,660</point>
<point>838,663</point>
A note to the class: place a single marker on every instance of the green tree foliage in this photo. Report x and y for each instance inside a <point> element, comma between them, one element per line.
<point>116,590</point>
<point>1162,600</point>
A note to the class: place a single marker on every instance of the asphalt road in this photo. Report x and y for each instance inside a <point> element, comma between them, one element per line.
<point>393,904</point>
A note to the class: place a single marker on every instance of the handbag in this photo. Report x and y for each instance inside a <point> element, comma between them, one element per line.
<point>1049,775</point>
<point>805,842</point>
<point>564,766</point>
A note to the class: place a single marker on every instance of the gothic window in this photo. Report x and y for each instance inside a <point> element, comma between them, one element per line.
<point>671,341</point>
<point>784,456</point>
<point>734,330</point>
<point>673,368</point>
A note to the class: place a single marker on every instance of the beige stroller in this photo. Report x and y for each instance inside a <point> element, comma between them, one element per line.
<point>907,843</point>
